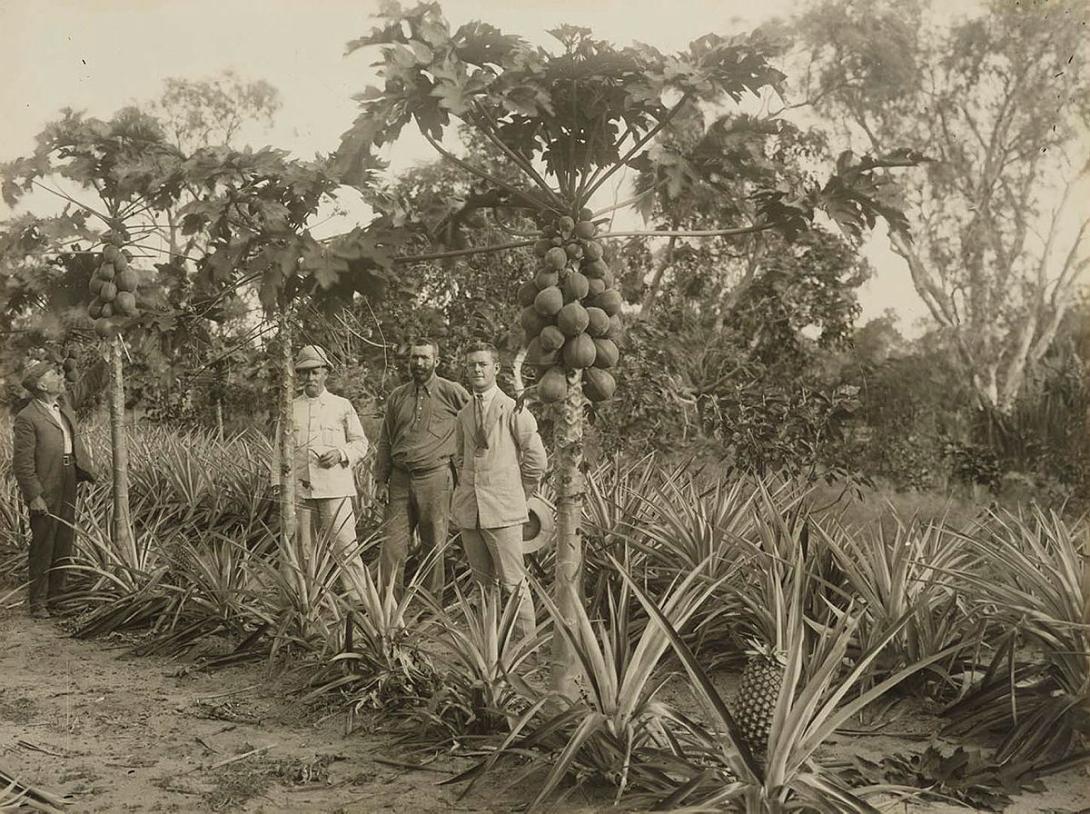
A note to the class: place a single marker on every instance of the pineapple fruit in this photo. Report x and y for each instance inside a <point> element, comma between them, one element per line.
<point>754,703</point>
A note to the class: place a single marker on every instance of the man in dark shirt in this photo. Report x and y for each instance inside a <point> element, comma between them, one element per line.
<point>413,466</point>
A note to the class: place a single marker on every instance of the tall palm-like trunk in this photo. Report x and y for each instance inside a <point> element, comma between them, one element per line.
<point>122,520</point>
<point>568,478</point>
<point>289,521</point>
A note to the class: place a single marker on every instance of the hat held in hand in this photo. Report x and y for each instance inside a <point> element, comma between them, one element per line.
<point>312,356</point>
<point>539,530</point>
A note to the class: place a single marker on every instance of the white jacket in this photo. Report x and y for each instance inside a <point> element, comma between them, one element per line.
<point>321,424</point>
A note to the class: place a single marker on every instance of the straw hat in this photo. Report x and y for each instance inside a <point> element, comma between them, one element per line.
<point>539,530</point>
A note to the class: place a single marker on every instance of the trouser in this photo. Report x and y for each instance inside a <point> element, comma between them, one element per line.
<point>495,555</point>
<point>51,544</point>
<point>332,516</point>
<point>417,503</point>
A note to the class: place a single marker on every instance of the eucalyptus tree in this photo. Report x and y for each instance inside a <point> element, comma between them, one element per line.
<point>999,99</point>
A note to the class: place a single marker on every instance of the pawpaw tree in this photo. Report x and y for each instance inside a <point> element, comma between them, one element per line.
<point>107,257</point>
<point>570,118</point>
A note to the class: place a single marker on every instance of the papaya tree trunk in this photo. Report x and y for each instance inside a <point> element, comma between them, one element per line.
<point>122,520</point>
<point>289,560</point>
<point>568,479</point>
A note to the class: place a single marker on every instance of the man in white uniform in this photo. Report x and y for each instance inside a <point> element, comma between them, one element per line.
<point>329,441</point>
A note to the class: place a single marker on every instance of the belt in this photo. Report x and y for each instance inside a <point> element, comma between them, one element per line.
<point>423,470</point>
<point>68,460</point>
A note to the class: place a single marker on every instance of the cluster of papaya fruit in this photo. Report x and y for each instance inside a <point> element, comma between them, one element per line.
<point>571,311</point>
<point>113,286</point>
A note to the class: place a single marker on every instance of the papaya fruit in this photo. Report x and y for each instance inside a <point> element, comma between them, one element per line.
<point>572,319</point>
<point>605,352</point>
<point>127,280</point>
<point>95,286</point>
<point>526,293</point>
<point>558,242</point>
<point>595,286</point>
<point>105,272</point>
<point>592,250</point>
<point>598,384</point>
<point>553,386</point>
<point>585,229</point>
<point>94,309</point>
<point>104,328</point>
<point>107,310</point>
<point>595,268</point>
<point>574,251</point>
<point>579,351</point>
<point>607,279</point>
<point>545,278</point>
<point>125,304</point>
<point>575,287</point>
<point>107,292</point>
<point>616,329</point>
<point>551,338</point>
<point>609,301</point>
<point>548,301</point>
<point>537,356</point>
<point>541,247</point>
<point>565,224</point>
<point>532,322</point>
<point>110,253</point>
<point>556,258</point>
<point>121,263</point>
<point>585,214</point>
<point>598,322</point>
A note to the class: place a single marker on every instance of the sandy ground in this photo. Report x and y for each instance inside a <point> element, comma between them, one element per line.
<point>114,732</point>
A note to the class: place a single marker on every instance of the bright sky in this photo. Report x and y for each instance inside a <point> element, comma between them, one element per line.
<point>98,55</point>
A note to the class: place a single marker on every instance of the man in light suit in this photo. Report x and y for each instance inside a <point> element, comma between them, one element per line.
<point>501,462</point>
<point>329,441</point>
<point>48,458</point>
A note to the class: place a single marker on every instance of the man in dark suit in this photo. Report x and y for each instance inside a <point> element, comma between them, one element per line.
<point>49,458</point>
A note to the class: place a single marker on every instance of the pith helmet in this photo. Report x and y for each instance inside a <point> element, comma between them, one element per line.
<point>540,529</point>
<point>312,356</point>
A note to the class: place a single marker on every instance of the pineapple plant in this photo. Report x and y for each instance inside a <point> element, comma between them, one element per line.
<point>754,703</point>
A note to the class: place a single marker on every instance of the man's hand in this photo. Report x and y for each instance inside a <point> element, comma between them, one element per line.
<point>38,506</point>
<point>382,492</point>
<point>329,459</point>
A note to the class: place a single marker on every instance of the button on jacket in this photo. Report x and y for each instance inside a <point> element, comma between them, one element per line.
<point>323,423</point>
<point>494,482</point>
<point>418,430</point>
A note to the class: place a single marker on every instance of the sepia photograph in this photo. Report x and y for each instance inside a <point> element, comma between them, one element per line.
<point>545,406</point>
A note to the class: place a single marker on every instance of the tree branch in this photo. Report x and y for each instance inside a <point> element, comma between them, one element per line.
<point>520,161</point>
<point>739,230</point>
<point>104,218</point>
<point>420,258</point>
<point>531,199</point>
<point>650,134</point>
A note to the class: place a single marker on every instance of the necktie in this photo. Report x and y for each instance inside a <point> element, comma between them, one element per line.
<point>482,437</point>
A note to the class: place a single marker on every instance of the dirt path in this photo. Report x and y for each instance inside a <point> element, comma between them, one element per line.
<point>114,732</point>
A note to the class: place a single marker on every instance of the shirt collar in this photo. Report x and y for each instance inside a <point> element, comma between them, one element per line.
<point>488,394</point>
<point>49,405</point>
<point>427,386</point>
